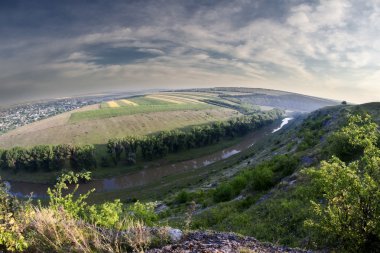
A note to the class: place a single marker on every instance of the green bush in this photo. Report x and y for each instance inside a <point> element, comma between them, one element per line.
<point>108,214</point>
<point>262,178</point>
<point>11,222</point>
<point>143,212</point>
<point>223,192</point>
<point>182,197</point>
<point>348,216</point>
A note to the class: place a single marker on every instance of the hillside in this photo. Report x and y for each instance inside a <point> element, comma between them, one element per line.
<point>272,98</point>
<point>248,175</point>
<point>97,123</point>
<point>276,208</point>
<point>142,115</point>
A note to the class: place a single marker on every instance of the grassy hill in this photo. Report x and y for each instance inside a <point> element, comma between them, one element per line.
<point>263,191</point>
<point>270,98</point>
<point>276,209</point>
<point>142,115</point>
<point>134,116</point>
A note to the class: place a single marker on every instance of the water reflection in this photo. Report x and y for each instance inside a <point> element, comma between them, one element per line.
<point>284,122</point>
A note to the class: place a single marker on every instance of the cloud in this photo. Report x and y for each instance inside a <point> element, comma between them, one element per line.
<point>320,47</point>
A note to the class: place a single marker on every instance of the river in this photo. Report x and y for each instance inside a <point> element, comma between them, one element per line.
<point>148,175</point>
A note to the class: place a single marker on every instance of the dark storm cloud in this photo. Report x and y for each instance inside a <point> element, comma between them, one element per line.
<point>59,48</point>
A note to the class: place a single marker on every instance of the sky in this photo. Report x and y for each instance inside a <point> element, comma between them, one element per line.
<point>58,48</point>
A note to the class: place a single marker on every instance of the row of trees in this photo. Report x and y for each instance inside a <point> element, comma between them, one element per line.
<point>48,158</point>
<point>159,145</point>
<point>82,157</point>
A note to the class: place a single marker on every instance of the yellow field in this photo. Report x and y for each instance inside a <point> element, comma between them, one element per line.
<point>127,102</point>
<point>176,99</point>
<point>185,99</point>
<point>170,100</point>
<point>113,104</point>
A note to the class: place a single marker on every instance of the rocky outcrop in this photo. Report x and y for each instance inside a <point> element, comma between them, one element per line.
<point>213,242</point>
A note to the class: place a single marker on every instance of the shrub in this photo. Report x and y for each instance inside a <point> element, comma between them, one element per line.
<point>347,218</point>
<point>182,197</point>
<point>73,205</point>
<point>222,193</point>
<point>11,222</point>
<point>107,214</point>
<point>262,178</point>
<point>143,212</point>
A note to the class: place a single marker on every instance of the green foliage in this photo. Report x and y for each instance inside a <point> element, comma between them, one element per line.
<point>312,130</point>
<point>348,215</point>
<point>259,178</point>
<point>108,214</point>
<point>59,199</point>
<point>182,197</point>
<point>48,158</point>
<point>160,144</point>
<point>223,192</point>
<point>278,219</point>
<point>11,230</point>
<point>349,143</point>
<point>143,212</point>
<point>82,158</point>
<point>262,178</point>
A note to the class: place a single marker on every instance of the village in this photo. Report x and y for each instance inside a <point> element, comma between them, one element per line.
<point>21,115</point>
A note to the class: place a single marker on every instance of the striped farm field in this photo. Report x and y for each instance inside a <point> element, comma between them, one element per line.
<point>139,115</point>
<point>144,100</point>
<point>118,103</point>
<point>99,130</point>
<point>127,102</point>
<point>166,99</point>
<point>175,99</point>
<point>129,110</point>
<point>112,104</point>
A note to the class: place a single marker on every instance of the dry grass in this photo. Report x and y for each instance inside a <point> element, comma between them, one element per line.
<point>98,131</point>
<point>56,231</point>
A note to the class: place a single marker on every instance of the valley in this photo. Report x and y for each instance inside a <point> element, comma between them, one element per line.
<point>233,162</point>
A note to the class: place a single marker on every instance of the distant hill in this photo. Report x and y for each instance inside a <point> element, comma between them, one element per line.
<point>154,112</point>
<point>273,98</point>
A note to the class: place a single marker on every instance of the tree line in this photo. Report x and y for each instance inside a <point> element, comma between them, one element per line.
<point>82,157</point>
<point>160,144</point>
<point>48,158</point>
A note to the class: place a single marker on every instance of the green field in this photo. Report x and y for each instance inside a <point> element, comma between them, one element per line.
<point>148,101</point>
<point>129,110</point>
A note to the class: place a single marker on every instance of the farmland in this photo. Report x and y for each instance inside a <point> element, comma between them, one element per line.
<point>139,115</point>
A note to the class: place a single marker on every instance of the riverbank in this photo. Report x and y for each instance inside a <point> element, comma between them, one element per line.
<point>181,173</point>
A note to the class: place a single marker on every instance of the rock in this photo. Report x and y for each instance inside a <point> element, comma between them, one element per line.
<point>175,234</point>
<point>210,242</point>
<point>160,208</point>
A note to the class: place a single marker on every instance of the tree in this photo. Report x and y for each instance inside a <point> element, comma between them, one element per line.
<point>115,149</point>
<point>348,214</point>
<point>61,154</point>
<point>82,158</point>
